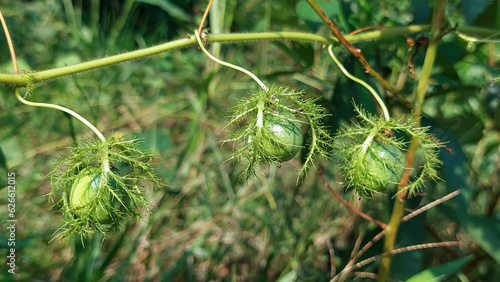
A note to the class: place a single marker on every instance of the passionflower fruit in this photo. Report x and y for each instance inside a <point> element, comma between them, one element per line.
<point>285,136</point>
<point>83,198</point>
<point>384,165</point>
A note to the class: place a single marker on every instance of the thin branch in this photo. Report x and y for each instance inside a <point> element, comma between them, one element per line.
<point>377,237</point>
<point>405,249</point>
<point>331,252</point>
<point>430,205</point>
<point>356,245</point>
<point>356,52</point>
<point>9,43</point>
<point>348,205</point>
<point>367,28</point>
<point>202,23</point>
<point>365,275</point>
<point>351,262</point>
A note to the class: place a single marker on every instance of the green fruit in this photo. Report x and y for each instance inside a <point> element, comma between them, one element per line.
<point>84,191</point>
<point>286,136</point>
<point>385,165</point>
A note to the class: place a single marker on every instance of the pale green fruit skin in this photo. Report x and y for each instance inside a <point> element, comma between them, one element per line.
<point>287,136</point>
<point>385,164</point>
<point>84,190</point>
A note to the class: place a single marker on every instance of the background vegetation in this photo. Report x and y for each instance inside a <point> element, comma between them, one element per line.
<point>207,224</point>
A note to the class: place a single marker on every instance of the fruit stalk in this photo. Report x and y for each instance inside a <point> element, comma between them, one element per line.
<point>200,43</point>
<point>366,85</point>
<point>57,107</point>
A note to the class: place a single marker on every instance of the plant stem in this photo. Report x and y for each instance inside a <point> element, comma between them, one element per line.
<point>22,80</point>
<point>366,85</point>
<point>397,213</point>
<point>247,72</point>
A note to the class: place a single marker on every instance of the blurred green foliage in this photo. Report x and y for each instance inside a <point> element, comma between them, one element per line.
<point>207,225</point>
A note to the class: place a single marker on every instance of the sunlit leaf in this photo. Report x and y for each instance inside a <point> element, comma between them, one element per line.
<point>441,272</point>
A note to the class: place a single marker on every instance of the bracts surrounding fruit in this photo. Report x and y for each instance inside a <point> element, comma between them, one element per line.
<point>274,122</point>
<point>372,155</point>
<point>101,186</point>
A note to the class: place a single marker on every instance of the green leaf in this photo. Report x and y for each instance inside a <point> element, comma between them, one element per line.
<point>454,168</point>
<point>485,231</point>
<point>3,170</point>
<point>471,9</point>
<point>421,11</point>
<point>289,277</point>
<point>307,14</point>
<point>172,9</point>
<point>489,16</point>
<point>439,273</point>
<point>300,51</point>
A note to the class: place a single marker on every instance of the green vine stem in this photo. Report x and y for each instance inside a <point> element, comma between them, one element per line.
<point>22,79</point>
<point>399,202</point>
<point>229,65</point>
<point>366,85</point>
<point>260,105</point>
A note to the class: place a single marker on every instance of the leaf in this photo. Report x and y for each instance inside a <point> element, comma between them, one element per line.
<point>439,273</point>
<point>289,277</point>
<point>67,59</point>
<point>421,12</point>
<point>300,51</point>
<point>454,168</point>
<point>471,9</point>
<point>489,16</point>
<point>172,9</point>
<point>3,170</point>
<point>485,231</point>
<point>307,14</point>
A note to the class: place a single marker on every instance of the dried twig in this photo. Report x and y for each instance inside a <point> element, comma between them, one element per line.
<point>430,205</point>
<point>348,205</point>
<point>202,23</point>
<point>398,251</point>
